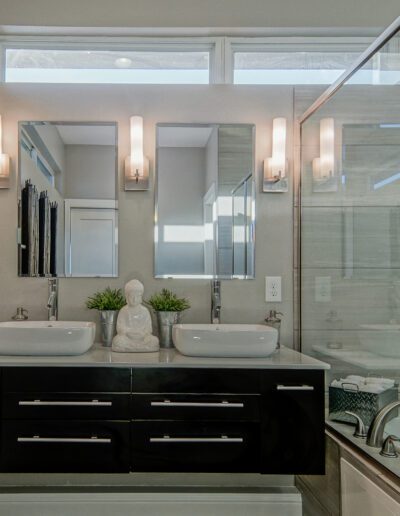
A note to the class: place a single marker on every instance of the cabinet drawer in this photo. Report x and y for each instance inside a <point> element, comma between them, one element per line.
<point>292,381</point>
<point>44,405</point>
<point>194,447</point>
<point>66,379</point>
<point>196,407</point>
<point>190,380</point>
<point>65,446</point>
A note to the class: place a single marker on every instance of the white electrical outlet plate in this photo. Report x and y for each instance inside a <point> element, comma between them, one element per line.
<point>322,289</point>
<point>273,289</point>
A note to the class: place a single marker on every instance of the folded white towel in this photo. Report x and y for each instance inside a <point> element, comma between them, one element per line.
<point>354,378</point>
<point>387,382</point>
<point>372,384</point>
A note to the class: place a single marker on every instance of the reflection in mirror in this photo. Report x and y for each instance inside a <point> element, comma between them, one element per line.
<point>68,216</point>
<point>205,207</point>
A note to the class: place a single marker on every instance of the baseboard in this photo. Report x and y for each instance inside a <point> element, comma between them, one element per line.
<point>271,502</point>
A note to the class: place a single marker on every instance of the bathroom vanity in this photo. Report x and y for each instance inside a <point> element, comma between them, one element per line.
<point>162,412</point>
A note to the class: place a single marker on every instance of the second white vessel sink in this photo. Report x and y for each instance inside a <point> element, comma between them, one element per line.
<point>46,337</point>
<point>225,340</point>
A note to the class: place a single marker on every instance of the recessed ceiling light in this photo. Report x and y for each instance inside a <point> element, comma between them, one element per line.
<point>123,62</point>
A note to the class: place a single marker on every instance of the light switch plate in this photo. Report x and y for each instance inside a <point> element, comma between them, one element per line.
<point>273,289</point>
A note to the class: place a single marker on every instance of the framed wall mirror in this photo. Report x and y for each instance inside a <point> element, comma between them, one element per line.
<point>68,202</point>
<point>205,201</point>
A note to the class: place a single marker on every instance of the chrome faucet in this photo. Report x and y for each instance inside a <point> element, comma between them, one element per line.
<point>274,319</point>
<point>52,302</point>
<point>215,301</point>
<point>375,433</point>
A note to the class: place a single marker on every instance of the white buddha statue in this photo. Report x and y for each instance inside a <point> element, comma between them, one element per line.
<point>134,328</point>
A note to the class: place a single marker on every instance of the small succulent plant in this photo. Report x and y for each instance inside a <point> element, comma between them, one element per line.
<point>107,299</point>
<point>167,301</point>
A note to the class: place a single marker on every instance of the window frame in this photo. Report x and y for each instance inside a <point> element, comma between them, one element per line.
<point>221,48</point>
<point>144,44</point>
<point>290,43</point>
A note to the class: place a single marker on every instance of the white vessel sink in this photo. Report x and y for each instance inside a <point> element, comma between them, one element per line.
<point>46,337</point>
<point>381,339</point>
<point>225,340</point>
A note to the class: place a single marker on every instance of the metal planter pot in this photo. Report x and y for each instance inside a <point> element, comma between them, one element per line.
<point>165,321</point>
<point>108,320</point>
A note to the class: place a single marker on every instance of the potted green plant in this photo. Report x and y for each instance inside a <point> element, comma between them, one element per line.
<point>168,307</point>
<point>108,302</point>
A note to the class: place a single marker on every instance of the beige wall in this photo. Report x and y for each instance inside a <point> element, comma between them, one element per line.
<point>243,301</point>
<point>196,13</point>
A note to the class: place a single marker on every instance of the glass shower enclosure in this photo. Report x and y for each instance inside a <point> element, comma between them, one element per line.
<point>349,220</point>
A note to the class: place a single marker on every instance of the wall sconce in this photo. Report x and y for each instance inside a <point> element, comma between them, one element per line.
<point>4,163</point>
<point>136,164</point>
<point>323,168</point>
<point>275,168</point>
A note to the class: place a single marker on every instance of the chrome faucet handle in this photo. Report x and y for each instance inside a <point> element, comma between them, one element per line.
<point>21,314</point>
<point>388,448</point>
<point>360,430</point>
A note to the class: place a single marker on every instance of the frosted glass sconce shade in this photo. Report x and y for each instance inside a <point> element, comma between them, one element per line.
<point>4,164</point>
<point>136,164</point>
<point>323,167</point>
<point>275,167</point>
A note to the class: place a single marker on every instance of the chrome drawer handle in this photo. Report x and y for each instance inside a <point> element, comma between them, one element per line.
<point>294,387</point>
<point>224,404</point>
<point>222,439</point>
<point>40,403</point>
<point>38,439</point>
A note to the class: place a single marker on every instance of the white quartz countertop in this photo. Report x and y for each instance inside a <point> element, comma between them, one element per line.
<point>99,356</point>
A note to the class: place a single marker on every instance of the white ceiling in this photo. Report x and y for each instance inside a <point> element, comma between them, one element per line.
<point>87,134</point>
<point>183,136</point>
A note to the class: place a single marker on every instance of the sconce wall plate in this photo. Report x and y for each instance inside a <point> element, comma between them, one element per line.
<point>274,184</point>
<point>134,181</point>
<point>325,185</point>
<point>275,168</point>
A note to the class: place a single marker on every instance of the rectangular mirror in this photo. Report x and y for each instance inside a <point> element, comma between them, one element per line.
<point>205,201</point>
<point>68,204</point>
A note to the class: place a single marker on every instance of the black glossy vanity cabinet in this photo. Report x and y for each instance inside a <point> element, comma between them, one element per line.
<point>166,419</point>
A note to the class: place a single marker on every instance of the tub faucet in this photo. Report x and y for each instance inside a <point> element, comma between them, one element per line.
<point>52,302</point>
<point>375,433</point>
<point>215,301</point>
